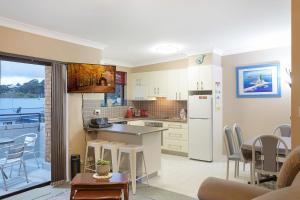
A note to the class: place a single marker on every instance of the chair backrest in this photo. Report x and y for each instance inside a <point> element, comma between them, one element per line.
<point>15,153</point>
<point>283,130</point>
<point>238,135</point>
<point>229,142</point>
<point>271,157</point>
<point>28,139</point>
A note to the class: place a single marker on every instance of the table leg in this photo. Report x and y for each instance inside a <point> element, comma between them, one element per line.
<point>132,158</point>
<point>126,193</point>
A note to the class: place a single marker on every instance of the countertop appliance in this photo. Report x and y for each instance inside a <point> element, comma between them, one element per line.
<point>99,123</point>
<point>200,115</point>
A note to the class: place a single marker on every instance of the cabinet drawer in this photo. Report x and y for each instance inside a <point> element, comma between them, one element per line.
<point>176,134</point>
<point>174,125</point>
<point>136,123</point>
<point>173,145</point>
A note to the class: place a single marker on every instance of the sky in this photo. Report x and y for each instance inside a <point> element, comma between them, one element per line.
<point>14,72</point>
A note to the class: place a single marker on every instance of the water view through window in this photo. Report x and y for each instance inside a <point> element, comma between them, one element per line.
<point>22,126</point>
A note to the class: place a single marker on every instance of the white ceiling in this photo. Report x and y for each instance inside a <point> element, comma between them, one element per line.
<point>128,29</point>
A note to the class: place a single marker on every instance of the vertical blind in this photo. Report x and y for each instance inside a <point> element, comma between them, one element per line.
<point>58,120</point>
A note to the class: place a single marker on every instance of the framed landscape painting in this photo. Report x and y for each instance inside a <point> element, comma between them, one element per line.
<point>258,81</point>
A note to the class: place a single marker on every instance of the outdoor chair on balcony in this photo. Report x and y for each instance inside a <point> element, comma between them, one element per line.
<point>29,141</point>
<point>14,157</point>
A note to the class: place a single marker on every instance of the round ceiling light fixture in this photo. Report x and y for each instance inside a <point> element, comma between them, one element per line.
<point>167,48</point>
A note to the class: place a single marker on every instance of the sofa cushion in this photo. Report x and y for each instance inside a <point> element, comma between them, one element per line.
<point>288,193</point>
<point>219,189</point>
<point>296,181</point>
<point>290,169</point>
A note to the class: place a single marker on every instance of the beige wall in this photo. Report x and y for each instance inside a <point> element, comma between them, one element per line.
<point>255,115</point>
<point>182,63</point>
<point>296,73</point>
<point>27,44</point>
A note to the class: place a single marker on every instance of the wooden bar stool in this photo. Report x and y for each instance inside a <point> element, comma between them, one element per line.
<point>97,195</point>
<point>113,147</point>
<point>132,150</point>
<point>97,146</point>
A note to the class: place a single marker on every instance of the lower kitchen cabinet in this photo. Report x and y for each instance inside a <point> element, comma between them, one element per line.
<point>136,123</point>
<point>175,139</point>
<point>175,145</point>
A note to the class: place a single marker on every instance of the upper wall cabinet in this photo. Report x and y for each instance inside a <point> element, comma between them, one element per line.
<point>140,86</point>
<point>200,77</point>
<point>158,83</point>
<point>177,84</point>
<point>171,84</point>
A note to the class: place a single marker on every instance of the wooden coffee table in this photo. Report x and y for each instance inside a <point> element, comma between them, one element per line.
<point>85,181</point>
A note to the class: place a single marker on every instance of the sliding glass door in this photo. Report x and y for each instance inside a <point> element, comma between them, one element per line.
<point>25,124</point>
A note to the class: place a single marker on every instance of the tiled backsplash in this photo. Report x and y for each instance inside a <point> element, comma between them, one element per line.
<point>161,108</point>
<point>89,107</point>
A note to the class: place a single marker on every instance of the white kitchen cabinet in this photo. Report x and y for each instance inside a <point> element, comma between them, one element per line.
<point>176,137</point>
<point>177,84</point>
<point>136,123</point>
<point>140,86</point>
<point>175,145</point>
<point>158,86</point>
<point>200,77</point>
<point>172,84</point>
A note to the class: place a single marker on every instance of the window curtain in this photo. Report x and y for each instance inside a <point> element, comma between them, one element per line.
<point>58,121</point>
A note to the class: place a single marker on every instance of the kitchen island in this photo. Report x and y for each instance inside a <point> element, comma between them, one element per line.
<point>149,137</point>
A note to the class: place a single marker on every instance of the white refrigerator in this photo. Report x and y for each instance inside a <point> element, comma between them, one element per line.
<point>200,125</point>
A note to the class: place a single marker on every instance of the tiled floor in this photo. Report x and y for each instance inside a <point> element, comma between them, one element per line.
<point>179,174</point>
<point>62,192</point>
<point>35,175</point>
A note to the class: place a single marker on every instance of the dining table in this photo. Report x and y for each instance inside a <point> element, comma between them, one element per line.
<point>247,146</point>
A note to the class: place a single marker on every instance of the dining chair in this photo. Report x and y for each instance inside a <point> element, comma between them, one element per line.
<point>231,151</point>
<point>270,157</point>
<point>283,130</point>
<point>29,141</point>
<point>239,141</point>
<point>14,157</point>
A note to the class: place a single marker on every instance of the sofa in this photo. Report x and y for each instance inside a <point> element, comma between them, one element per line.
<point>288,185</point>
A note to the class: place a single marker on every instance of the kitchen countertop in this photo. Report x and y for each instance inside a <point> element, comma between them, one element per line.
<point>129,129</point>
<point>115,120</point>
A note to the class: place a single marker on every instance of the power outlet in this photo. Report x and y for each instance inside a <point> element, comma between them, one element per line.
<point>97,112</point>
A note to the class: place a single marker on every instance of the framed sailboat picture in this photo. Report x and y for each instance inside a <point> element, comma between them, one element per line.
<point>258,81</point>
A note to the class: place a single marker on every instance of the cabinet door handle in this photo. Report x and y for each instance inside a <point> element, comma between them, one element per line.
<point>154,90</point>
<point>176,95</point>
<point>197,85</point>
<point>158,90</point>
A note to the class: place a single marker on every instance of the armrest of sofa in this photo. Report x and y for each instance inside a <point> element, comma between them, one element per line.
<point>219,189</point>
<point>289,193</point>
